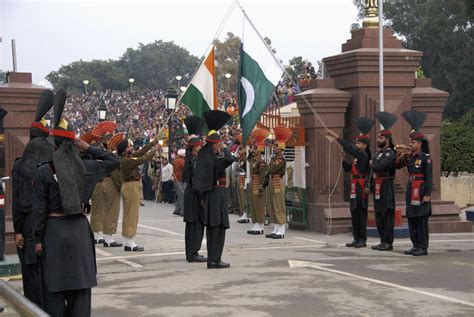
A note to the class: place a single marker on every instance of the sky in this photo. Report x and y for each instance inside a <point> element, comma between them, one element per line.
<point>51,33</point>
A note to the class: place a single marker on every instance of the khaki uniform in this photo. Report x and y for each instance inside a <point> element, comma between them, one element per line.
<point>257,171</point>
<point>97,208</point>
<point>130,190</point>
<point>241,192</point>
<point>111,187</point>
<point>276,200</point>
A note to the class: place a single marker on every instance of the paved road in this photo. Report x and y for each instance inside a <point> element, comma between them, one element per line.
<point>305,274</point>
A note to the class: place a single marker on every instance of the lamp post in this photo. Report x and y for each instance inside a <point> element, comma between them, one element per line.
<point>102,111</point>
<point>170,100</point>
<point>228,75</point>
<point>85,82</point>
<point>178,78</point>
<point>131,81</point>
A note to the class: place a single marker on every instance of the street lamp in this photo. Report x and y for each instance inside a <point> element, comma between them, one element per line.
<point>182,88</point>
<point>131,81</point>
<point>102,112</point>
<point>228,75</point>
<point>85,82</point>
<point>170,100</point>
<point>178,78</point>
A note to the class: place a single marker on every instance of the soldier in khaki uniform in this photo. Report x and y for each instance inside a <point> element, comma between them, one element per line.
<point>257,172</point>
<point>275,172</point>
<point>241,192</point>
<point>130,190</point>
<point>111,189</point>
<point>99,136</point>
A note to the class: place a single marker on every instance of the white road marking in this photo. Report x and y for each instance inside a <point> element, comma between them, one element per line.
<point>127,262</point>
<point>161,230</point>
<point>298,264</point>
<point>318,266</point>
<point>310,240</point>
<point>139,256</point>
<point>102,252</point>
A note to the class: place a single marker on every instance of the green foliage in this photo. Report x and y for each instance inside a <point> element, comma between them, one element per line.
<point>457,145</point>
<point>442,30</point>
<point>296,67</point>
<point>153,66</point>
<point>227,60</point>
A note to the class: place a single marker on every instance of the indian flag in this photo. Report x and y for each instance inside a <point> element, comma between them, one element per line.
<point>259,73</point>
<point>201,94</point>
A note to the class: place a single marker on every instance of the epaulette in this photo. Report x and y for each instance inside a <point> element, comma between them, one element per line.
<point>42,163</point>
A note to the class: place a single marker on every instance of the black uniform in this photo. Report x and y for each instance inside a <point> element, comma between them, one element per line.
<point>420,183</point>
<point>210,183</point>
<point>383,168</point>
<point>68,257</point>
<point>22,187</point>
<point>193,212</point>
<point>359,202</point>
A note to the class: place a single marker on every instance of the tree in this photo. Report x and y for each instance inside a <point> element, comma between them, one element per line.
<point>457,145</point>
<point>153,66</point>
<point>442,30</point>
<point>296,67</point>
<point>227,60</point>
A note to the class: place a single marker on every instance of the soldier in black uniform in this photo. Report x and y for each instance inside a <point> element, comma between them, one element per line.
<point>359,171</point>
<point>38,149</point>
<point>210,182</point>
<point>382,174</point>
<point>192,211</point>
<point>62,232</point>
<point>420,183</point>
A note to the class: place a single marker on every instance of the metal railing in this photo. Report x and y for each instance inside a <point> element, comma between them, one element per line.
<point>22,305</point>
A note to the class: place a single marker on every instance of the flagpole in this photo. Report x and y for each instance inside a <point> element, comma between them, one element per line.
<point>381,81</point>
<point>260,36</point>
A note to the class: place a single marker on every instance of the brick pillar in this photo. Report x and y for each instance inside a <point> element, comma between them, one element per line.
<point>324,157</point>
<point>19,97</point>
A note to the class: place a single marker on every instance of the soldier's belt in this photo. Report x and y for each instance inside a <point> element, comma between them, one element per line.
<point>220,182</point>
<point>56,213</point>
<point>132,180</point>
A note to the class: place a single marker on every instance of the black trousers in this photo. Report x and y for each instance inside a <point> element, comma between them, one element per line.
<point>385,222</point>
<point>419,234</point>
<point>193,235</point>
<point>215,236</point>
<point>32,283</point>
<point>74,303</point>
<point>359,224</point>
<point>168,194</point>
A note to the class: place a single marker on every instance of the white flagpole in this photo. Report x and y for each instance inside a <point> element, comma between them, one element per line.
<point>381,81</point>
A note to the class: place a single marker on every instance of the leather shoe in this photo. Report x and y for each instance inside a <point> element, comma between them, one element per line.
<point>243,221</point>
<point>257,232</point>
<point>360,244</point>
<point>250,231</point>
<point>99,241</point>
<point>376,247</point>
<point>270,235</point>
<point>217,265</point>
<point>410,252</point>
<point>112,244</point>
<point>134,249</point>
<point>278,236</point>
<point>420,252</point>
<point>197,258</point>
<point>386,247</point>
<point>351,244</point>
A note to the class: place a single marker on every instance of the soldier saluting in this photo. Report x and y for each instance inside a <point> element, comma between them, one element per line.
<point>359,171</point>
<point>383,168</point>
<point>62,232</point>
<point>418,162</point>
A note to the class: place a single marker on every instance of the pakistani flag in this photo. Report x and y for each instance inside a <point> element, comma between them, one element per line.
<point>201,95</point>
<point>259,74</point>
